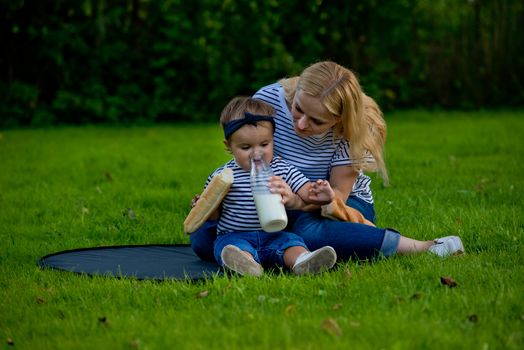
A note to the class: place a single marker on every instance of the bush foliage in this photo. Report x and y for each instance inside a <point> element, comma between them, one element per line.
<point>120,61</point>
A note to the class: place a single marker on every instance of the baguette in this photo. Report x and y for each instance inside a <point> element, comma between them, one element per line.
<point>338,210</point>
<point>209,200</point>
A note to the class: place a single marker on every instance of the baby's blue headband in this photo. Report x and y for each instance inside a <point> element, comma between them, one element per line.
<point>251,119</point>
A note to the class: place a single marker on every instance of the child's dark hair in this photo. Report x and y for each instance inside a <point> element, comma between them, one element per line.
<point>238,106</point>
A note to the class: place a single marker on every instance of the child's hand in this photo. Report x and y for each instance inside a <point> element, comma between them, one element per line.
<point>320,192</point>
<point>213,216</point>
<point>278,185</point>
<point>195,200</point>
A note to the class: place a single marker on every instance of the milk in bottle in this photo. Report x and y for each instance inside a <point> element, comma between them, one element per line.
<point>270,210</point>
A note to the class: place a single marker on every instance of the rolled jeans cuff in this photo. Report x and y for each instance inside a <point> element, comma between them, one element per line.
<point>390,242</point>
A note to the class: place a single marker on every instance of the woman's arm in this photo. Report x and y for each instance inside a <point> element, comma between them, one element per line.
<point>317,193</point>
<point>342,179</point>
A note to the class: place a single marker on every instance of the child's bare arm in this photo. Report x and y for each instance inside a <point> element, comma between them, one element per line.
<point>308,196</point>
<point>317,192</point>
<point>289,199</point>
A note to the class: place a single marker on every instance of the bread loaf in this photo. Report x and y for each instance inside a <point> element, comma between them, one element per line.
<point>338,210</point>
<point>209,200</point>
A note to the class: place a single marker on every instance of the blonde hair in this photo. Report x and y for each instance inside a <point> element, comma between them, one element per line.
<point>361,121</point>
<point>239,105</point>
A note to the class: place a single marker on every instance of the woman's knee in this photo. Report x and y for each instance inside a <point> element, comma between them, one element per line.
<point>349,239</point>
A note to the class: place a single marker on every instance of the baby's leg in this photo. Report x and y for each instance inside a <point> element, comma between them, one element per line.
<point>240,261</point>
<point>301,261</point>
<point>291,254</point>
<point>236,252</point>
<point>315,262</point>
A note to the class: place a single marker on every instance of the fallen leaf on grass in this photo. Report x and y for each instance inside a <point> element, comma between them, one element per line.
<point>135,343</point>
<point>103,320</point>
<point>290,309</point>
<point>480,187</point>
<point>354,324</point>
<point>202,294</point>
<point>40,300</point>
<point>473,318</point>
<point>130,214</point>
<point>108,176</point>
<point>448,281</point>
<point>398,299</point>
<point>10,342</point>
<point>416,296</point>
<point>331,327</point>
<point>337,306</point>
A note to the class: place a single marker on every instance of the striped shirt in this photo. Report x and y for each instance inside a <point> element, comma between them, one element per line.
<point>238,207</point>
<point>316,155</point>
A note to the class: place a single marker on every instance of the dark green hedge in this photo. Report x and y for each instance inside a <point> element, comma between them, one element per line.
<point>122,61</point>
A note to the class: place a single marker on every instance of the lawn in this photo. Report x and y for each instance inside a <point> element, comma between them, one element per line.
<point>71,187</point>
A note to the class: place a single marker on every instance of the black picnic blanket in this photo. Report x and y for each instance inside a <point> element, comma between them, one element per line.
<point>156,262</point>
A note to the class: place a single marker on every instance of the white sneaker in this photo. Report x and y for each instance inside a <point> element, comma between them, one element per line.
<point>314,262</point>
<point>446,246</point>
<point>234,259</point>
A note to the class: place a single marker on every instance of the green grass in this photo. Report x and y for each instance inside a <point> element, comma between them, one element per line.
<point>69,187</point>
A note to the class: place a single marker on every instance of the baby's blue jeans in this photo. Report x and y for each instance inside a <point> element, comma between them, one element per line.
<point>267,248</point>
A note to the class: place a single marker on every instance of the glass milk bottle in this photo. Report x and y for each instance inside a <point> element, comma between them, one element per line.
<point>270,210</point>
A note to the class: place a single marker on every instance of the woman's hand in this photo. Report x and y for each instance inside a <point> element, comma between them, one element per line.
<point>320,192</point>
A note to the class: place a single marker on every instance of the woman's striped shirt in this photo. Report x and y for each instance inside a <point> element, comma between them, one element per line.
<point>238,207</point>
<point>314,155</point>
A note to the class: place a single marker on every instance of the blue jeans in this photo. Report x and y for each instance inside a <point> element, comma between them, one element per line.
<point>267,248</point>
<point>367,209</point>
<point>347,238</point>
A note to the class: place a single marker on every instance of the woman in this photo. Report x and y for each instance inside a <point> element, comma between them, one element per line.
<point>329,129</point>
